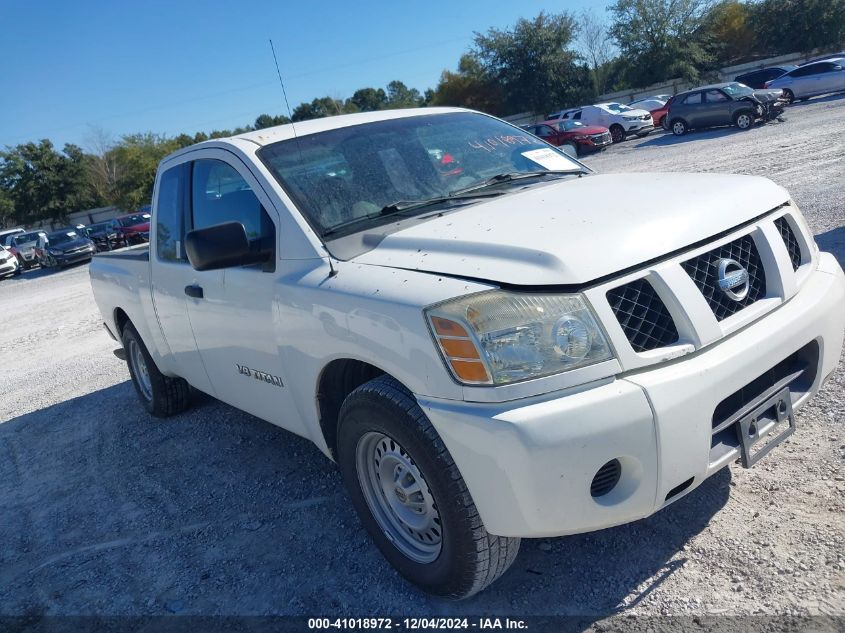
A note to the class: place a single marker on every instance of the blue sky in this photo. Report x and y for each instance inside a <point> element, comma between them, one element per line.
<point>186,66</point>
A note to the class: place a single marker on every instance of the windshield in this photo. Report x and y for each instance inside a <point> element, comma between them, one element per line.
<point>351,175</point>
<point>60,238</point>
<point>617,107</point>
<point>132,220</point>
<point>737,90</point>
<point>25,237</point>
<point>565,126</point>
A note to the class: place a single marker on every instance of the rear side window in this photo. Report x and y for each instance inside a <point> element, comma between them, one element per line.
<point>169,215</point>
<point>693,99</point>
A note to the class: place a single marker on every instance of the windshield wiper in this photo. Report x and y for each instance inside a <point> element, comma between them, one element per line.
<point>511,176</point>
<point>409,205</point>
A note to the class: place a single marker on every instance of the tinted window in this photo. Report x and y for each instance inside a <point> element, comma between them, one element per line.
<point>693,99</point>
<point>221,194</point>
<point>714,96</point>
<point>544,131</point>
<point>169,215</point>
<point>804,71</point>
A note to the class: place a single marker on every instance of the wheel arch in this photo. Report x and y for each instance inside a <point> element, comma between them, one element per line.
<point>336,381</point>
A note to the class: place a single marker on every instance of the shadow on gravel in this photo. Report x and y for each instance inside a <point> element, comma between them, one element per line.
<point>37,273</point>
<point>698,135</point>
<point>833,241</point>
<point>106,510</point>
<point>813,100</point>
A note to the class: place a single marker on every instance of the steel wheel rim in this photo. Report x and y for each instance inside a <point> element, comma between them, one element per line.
<point>139,366</point>
<point>678,128</point>
<point>399,497</point>
<point>743,121</point>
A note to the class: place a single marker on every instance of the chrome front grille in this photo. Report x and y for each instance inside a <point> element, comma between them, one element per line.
<point>601,139</point>
<point>704,271</point>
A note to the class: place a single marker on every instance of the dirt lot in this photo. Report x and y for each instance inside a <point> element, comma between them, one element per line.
<point>105,510</point>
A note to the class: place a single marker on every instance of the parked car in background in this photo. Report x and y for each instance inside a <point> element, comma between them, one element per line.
<point>103,234</point>
<point>722,104</point>
<point>656,105</point>
<point>621,120</point>
<point>574,137</point>
<point>23,247</point>
<point>757,78</point>
<point>6,235</point>
<point>64,247</point>
<point>133,228</point>
<point>811,80</point>
<point>824,58</point>
<point>8,263</point>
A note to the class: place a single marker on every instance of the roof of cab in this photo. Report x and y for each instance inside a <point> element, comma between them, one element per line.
<point>285,132</point>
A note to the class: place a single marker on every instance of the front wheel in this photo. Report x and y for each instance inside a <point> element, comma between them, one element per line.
<point>744,120</point>
<point>161,395</point>
<point>788,95</point>
<point>617,133</point>
<point>411,497</point>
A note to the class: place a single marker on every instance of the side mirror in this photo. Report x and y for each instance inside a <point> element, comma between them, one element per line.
<point>222,246</point>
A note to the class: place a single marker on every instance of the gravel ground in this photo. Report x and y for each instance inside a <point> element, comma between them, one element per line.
<point>104,510</point>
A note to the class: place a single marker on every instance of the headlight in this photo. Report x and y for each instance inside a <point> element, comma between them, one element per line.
<point>55,251</point>
<point>501,337</point>
<point>630,118</point>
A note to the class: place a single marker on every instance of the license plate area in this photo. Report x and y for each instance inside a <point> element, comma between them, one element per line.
<point>764,427</point>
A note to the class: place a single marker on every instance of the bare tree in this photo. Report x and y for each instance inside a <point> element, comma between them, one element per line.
<point>596,46</point>
<point>103,166</point>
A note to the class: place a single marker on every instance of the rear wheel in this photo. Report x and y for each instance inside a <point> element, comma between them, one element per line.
<point>161,395</point>
<point>679,127</point>
<point>788,95</point>
<point>411,496</point>
<point>617,133</point>
<point>744,120</point>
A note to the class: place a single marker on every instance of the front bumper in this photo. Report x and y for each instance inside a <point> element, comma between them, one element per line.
<point>72,258</point>
<point>528,463</point>
<point>8,266</point>
<point>638,127</point>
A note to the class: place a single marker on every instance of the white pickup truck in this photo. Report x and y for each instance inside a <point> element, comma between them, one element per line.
<point>490,340</point>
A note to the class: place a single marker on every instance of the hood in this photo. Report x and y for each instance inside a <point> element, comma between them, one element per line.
<point>69,246</point>
<point>590,129</point>
<point>769,94</point>
<point>634,112</point>
<point>575,231</point>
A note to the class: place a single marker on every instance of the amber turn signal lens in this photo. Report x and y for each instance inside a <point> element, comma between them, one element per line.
<point>458,348</point>
<point>445,327</point>
<point>470,370</point>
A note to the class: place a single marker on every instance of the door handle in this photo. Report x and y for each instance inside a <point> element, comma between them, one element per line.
<point>194,291</point>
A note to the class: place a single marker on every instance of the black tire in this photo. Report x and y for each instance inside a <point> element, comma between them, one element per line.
<point>788,95</point>
<point>617,133</point>
<point>469,558</point>
<point>679,127</point>
<point>164,396</point>
<point>744,120</point>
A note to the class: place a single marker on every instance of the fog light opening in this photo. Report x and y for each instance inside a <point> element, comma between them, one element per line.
<point>606,478</point>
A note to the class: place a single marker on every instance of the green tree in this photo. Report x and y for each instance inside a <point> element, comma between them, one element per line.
<point>317,109</point>
<point>797,25</point>
<point>400,96</point>
<point>137,157</point>
<point>470,87</point>
<point>534,64</point>
<point>369,99</point>
<point>661,39</point>
<point>265,121</point>
<point>728,27</point>
<point>42,184</point>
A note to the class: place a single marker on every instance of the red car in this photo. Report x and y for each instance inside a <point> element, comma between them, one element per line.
<point>574,134</point>
<point>653,105</point>
<point>133,228</point>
